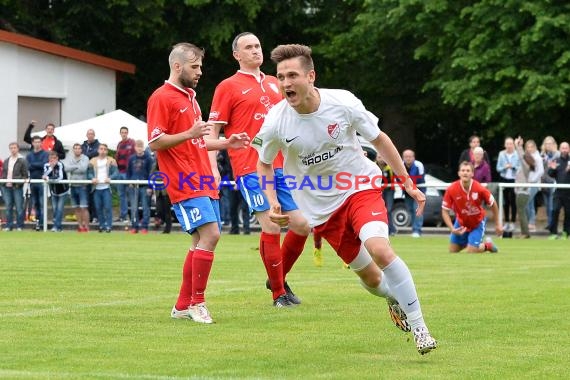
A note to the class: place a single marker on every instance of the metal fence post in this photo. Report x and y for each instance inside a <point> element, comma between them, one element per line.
<point>45,210</point>
<point>501,202</point>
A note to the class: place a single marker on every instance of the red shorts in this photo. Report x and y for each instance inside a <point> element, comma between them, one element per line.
<point>343,227</point>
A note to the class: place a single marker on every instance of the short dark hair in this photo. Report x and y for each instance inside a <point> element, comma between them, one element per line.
<point>236,39</point>
<point>180,50</point>
<point>473,137</point>
<point>283,52</point>
<point>125,128</point>
<point>467,163</point>
<point>36,138</point>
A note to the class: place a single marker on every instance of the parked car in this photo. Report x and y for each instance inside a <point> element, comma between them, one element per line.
<point>434,198</point>
<point>432,211</point>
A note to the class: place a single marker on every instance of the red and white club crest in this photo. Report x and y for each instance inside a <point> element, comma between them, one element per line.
<point>474,196</point>
<point>155,133</point>
<point>333,130</point>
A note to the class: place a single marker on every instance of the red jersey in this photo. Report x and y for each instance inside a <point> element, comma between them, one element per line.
<point>48,143</point>
<point>172,110</point>
<point>467,205</point>
<point>242,102</point>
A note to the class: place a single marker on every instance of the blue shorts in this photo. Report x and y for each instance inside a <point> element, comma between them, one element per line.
<point>253,194</point>
<point>472,238</point>
<point>195,212</point>
<point>79,197</point>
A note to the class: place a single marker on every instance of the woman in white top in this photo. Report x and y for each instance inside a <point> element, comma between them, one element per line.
<point>507,166</point>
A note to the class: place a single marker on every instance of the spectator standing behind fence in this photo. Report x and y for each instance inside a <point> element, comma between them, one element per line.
<point>416,172</point>
<point>549,153</point>
<point>482,168</point>
<point>507,166</point>
<point>14,167</point>
<point>559,169</point>
<point>102,169</point>
<point>90,147</point>
<point>522,193</point>
<point>536,172</point>
<point>54,172</point>
<point>468,154</point>
<point>36,159</point>
<point>49,141</point>
<point>125,149</point>
<point>139,169</point>
<point>76,166</point>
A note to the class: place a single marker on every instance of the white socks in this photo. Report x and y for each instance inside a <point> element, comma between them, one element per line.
<point>383,290</point>
<point>401,287</point>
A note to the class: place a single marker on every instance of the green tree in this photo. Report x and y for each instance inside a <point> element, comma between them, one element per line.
<point>448,69</point>
<point>506,62</point>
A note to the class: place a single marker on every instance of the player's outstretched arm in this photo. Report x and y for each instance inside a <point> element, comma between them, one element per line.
<point>199,129</point>
<point>388,151</point>
<point>213,154</point>
<point>235,141</point>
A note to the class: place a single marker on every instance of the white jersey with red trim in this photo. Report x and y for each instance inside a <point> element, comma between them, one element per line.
<point>324,162</point>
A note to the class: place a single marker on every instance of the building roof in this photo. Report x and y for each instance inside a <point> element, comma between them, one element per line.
<point>66,52</point>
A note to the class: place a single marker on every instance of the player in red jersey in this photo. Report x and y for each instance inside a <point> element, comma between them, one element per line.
<point>465,197</point>
<point>175,132</point>
<point>240,104</point>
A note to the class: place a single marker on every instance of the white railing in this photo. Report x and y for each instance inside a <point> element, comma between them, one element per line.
<point>504,185</point>
<point>69,182</point>
<point>439,186</point>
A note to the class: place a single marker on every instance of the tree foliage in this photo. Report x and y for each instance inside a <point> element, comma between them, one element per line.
<point>507,62</point>
<point>441,68</point>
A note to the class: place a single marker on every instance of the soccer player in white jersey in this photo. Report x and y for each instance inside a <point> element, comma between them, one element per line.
<point>335,185</point>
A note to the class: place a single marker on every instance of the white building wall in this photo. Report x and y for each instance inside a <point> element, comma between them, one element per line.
<point>85,89</point>
<point>8,97</point>
<point>90,91</point>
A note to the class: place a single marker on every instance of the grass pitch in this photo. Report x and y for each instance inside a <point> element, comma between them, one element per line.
<point>96,306</point>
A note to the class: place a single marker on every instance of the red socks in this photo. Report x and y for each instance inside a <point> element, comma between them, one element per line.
<point>185,295</point>
<point>201,266</point>
<point>291,249</point>
<point>273,261</point>
<point>195,275</point>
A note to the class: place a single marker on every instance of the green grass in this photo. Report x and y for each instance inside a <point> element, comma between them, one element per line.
<point>92,306</point>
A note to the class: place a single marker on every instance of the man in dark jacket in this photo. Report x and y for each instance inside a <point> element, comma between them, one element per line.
<point>559,169</point>
<point>90,147</point>
<point>139,168</point>
<point>416,172</point>
<point>37,158</point>
<point>14,167</point>
<point>49,141</point>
